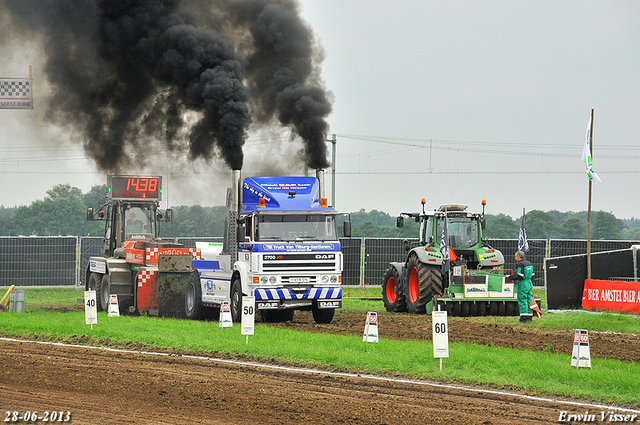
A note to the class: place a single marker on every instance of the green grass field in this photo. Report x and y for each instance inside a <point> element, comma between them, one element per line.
<point>545,373</point>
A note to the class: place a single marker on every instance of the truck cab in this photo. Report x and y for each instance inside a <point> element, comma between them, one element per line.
<point>287,252</point>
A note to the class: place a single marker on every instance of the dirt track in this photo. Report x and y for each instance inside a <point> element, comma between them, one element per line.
<point>90,384</point>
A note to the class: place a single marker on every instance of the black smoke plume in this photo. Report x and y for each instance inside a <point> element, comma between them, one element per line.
<point>192,75</point>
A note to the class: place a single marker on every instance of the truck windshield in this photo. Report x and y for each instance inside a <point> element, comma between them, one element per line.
<point>296,226</point>
<point>463,231</point>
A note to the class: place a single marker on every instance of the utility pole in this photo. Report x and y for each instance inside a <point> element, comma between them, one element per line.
<point>589,208</point>
<point>333,141</point>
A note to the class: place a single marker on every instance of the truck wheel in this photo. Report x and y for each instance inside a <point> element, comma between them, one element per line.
<point>277,316</point>
<point>392,300</point>
<point>193,298</point>
<point>269,316</point>
<point>236,300</point>
<point>103,288</point>
<point>286,315</point>
<point>423,282</point>
<point>322,315</point>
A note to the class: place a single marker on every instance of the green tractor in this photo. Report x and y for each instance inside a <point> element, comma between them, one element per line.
<point>474,284</point>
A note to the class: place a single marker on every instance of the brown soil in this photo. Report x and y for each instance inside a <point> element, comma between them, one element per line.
<point>100,386</point>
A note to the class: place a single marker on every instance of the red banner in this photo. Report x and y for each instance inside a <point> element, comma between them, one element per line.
<point>611,295</point>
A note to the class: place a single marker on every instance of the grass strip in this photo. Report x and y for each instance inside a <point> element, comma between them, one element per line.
<point>609,381</point>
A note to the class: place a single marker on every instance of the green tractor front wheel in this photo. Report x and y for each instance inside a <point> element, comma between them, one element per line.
<point>393,298</point>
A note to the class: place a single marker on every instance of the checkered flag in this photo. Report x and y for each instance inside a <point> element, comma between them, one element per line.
<point>16,93</point>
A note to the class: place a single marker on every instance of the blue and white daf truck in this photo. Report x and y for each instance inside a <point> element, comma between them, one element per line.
<point>281,246</point>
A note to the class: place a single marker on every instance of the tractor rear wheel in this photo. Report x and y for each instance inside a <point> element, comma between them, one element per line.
<point>422,283</point>
<point>94,284</point>
<point>103,290</point>
<point>392,300</point>
<point>193,299</point>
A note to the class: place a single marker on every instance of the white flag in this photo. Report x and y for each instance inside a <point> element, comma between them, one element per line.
<point>586,156</point>
<point>523,244</point>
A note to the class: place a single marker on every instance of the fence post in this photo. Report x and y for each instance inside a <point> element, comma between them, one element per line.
<point>362,261</point>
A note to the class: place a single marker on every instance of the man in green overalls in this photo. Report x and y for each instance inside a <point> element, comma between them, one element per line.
<point>522,275</point>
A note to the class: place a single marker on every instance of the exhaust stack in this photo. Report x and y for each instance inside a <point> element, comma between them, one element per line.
<point>230,243</point>
<point>320,177</point>
<point>235,190</point>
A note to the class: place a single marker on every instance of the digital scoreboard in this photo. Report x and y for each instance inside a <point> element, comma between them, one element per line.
<point>134,187</point>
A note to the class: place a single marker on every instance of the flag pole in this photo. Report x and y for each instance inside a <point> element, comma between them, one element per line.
<point>589,208</point>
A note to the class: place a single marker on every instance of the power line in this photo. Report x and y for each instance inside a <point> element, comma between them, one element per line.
<point>481,172</point>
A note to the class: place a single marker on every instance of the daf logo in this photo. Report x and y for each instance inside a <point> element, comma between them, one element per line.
<point>324,257</point>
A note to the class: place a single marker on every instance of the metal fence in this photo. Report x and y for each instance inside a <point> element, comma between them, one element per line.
<point>378,253</point>
<point>352,261</point>
<point>38,261</point>
<point>62,261</point>
<point>565,248</point>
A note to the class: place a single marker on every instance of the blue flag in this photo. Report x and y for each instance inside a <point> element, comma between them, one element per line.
<point>444,248</point>
<point>523,245</point>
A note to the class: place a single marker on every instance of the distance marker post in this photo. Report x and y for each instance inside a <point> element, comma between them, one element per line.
<point>90,308</point>
<point>248,316</point>
<point>440,334</point>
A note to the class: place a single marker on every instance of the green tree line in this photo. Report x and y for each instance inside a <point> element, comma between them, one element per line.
<point>63,212</point>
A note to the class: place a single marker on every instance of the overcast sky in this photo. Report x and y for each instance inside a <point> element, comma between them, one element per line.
<point>450,101</point>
